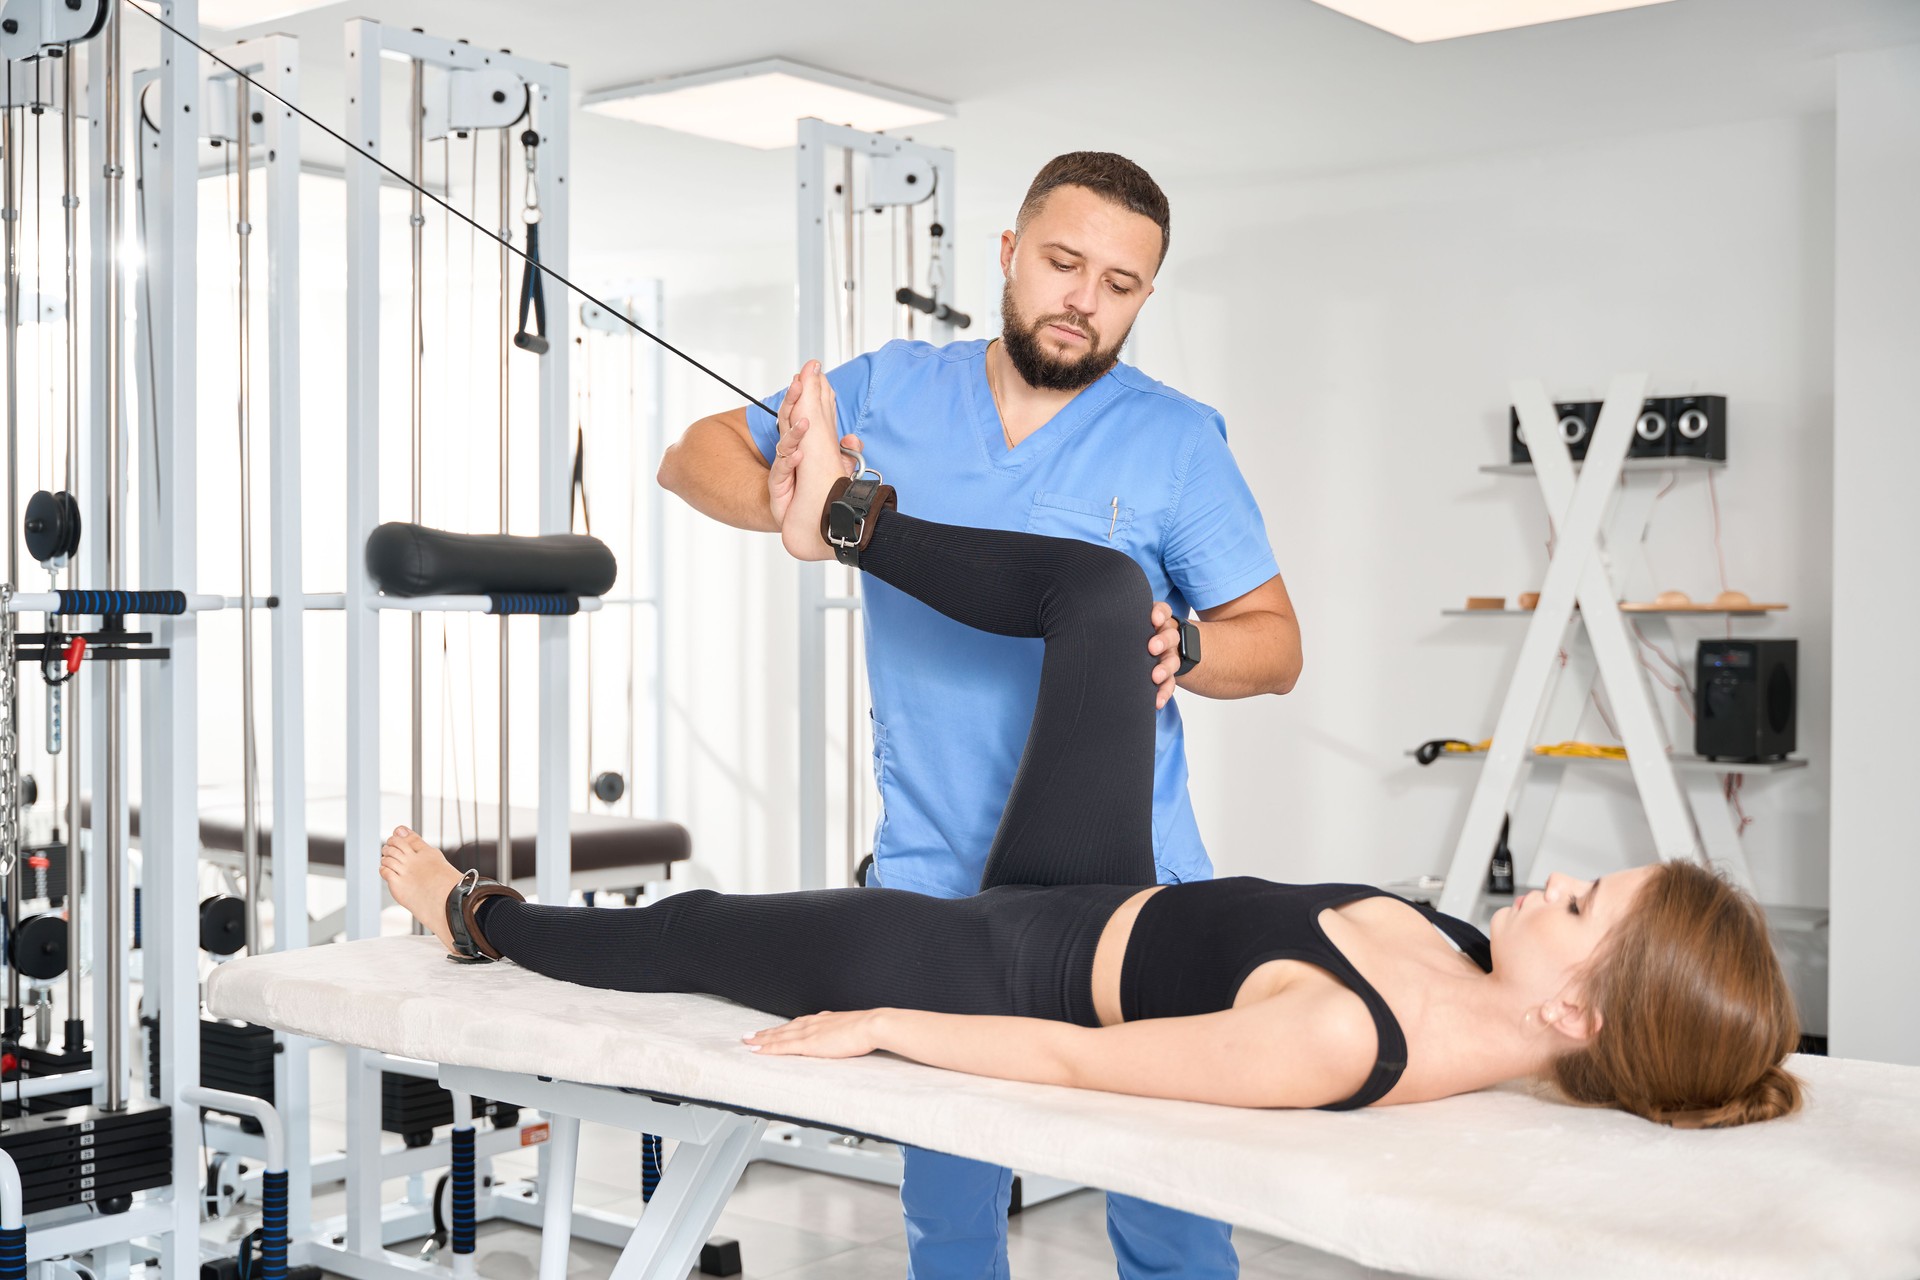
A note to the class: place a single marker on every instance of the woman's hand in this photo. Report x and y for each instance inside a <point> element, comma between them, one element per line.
<point>821,1035</point>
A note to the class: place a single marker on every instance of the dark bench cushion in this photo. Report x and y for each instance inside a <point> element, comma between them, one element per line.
<point>413,560</point>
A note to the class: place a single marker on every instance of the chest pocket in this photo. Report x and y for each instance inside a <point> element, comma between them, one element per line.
<point>1090,520</point>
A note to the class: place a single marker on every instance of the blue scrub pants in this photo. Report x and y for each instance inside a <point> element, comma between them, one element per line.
<point>956,1213</point>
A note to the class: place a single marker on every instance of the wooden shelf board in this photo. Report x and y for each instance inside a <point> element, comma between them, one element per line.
<point>1631,464</point>
<point>1427,889</point>
<point>1752,611</point>
<point>1683,763</point>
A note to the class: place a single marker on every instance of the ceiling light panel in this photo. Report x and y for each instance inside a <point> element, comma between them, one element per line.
<point>759,104</point>
<point>227,14</point>
<point>1421,21</point>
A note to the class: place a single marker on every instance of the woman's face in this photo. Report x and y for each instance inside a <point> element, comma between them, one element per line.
<point>1549,934</point>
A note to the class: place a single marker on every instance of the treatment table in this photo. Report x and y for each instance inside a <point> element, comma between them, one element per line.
<point>1501,1183</point>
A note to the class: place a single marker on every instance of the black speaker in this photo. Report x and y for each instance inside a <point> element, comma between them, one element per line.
<point>1745,692</point>
<point>1699,425</point>
<point>1577,419</point>
<point>1652,430</point>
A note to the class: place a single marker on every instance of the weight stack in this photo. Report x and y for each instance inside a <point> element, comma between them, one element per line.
<point>47,1062</point>
<point>84,1155</point>
<point>414,1107</point>
<point>238,1057</point>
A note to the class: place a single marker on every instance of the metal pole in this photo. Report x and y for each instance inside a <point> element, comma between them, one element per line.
<point>856,267</point>
<point>11,213</point>
<point>503,848</point>
<point>416,339</point>
<point>70,204</point>
<point>108,813</point>
<point>249,752</point>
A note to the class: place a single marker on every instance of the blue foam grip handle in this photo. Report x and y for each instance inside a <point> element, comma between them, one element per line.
<point>463,1228</point>
<point>273,1225</point>
<point>649,1166</point>
<point>13,1253</point>
<point>116,604</point>
<point>542,605</point>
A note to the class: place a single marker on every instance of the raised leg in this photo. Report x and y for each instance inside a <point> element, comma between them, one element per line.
<point>1081,808</point>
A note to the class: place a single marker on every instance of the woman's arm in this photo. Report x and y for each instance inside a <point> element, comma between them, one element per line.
<point>1281,1052</point>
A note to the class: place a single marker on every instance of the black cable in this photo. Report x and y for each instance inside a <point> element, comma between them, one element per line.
<point>414,186</point>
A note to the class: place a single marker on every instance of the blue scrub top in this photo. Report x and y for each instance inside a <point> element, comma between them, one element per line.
<point>1128,462</point>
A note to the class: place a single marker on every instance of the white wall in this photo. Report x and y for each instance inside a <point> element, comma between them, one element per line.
<point>1875,948</point>
<point>1360,333</point>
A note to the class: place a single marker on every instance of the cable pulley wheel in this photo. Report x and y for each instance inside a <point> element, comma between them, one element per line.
<point>38,948</point>
<point>52,527</point>
<point>223,925</point>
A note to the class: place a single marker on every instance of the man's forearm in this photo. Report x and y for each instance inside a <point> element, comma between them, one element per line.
<point>719,475</point>
<point>1246,656</point>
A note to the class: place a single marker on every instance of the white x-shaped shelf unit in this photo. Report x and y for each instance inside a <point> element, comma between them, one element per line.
<point>1600,516</point>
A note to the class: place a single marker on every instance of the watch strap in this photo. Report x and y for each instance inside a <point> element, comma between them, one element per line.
<point>1189,646</point>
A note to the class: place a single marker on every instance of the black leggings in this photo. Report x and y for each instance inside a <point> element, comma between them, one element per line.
<point>1075,839</point>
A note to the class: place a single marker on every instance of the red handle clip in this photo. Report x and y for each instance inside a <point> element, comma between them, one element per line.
<point>76,651</point>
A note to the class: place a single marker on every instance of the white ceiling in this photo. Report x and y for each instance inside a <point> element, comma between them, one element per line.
<point>1203,91</point>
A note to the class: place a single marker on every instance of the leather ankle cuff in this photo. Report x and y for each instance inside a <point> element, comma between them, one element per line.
<point>462,920</point>
<point>853,509</point>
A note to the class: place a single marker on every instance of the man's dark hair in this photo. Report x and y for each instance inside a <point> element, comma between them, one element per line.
<point>1106,174</point>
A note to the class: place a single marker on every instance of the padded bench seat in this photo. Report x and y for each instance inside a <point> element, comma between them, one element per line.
<point>602,842</point>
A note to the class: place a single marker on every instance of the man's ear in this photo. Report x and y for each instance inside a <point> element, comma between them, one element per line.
<point>1008,240</point>
<point>1578,1022</point>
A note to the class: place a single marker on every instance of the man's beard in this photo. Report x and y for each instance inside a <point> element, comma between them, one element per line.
<point>1039,367</point>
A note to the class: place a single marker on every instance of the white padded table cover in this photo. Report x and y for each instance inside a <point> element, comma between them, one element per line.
<point>1502,1183</point>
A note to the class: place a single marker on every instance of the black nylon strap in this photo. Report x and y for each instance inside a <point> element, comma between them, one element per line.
<point>457,921</point>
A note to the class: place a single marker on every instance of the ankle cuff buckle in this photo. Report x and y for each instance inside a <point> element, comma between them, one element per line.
<point>851,505</point>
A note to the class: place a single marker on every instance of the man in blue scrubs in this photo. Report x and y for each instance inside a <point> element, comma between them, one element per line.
<point>1042,430</point>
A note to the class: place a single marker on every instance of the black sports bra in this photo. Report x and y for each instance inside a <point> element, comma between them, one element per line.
<point>1193,945</point>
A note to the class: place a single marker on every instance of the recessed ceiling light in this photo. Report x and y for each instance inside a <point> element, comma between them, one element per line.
<point>1423,20</point>
<point>759,104</point>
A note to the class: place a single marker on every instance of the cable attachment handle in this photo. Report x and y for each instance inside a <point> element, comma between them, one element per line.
<point>533,298</point>
<point>860,468</point>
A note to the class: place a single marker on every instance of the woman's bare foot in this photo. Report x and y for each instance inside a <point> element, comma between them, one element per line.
<point>421,878</point>
<point>818,463</point>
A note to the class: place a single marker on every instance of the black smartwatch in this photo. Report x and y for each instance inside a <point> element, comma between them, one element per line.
<point>1189,646</point>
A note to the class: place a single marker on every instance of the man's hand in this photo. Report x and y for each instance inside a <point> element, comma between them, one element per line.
<point>1165,646</point>
<point>809,398</point>
<point>780,472</point>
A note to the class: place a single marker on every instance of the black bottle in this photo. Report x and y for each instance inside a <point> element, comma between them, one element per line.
<point>1500,870</point>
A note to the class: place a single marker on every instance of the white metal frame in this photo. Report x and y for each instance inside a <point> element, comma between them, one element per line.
<point>274,61</point>
<point>368,44</point>
<point>644,305</point>
<point>1600,517</point>
<point>714,1149</point>
<point>818,140</point>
